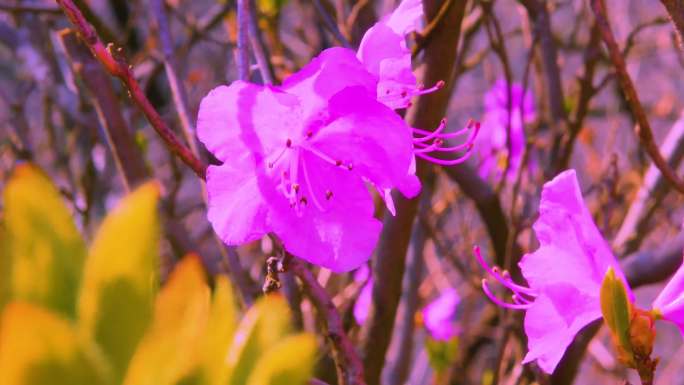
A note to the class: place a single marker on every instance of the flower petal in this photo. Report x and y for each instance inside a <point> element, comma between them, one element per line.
<point>363,303</point>
<point>372,138</point>
<point>670,301</point>
<point>325,75</point>
<point>554,319</point>
<point>439,315</point>
<point>243,118</point>
<point>237,204</point>
<point>343,235</point>
<point>571,248</point>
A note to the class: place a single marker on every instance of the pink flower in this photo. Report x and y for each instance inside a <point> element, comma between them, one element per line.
<point>385,54</point>
<point>491,143</point>
<point>296,159</point>
<point>564,274</point>
<point>439,315</point>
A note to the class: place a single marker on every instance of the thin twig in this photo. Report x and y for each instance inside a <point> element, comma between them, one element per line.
<point>675,10</point>
<point>643,127</point>
<point>117,67</point>
<point>347,361</point>
<point>330,24</point>
<point>243,11</point>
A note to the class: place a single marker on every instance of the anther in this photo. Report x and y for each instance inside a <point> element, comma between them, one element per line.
<point>309,134</point>
<point>350,166</point>
<point>303,201</point>
<point>288,144</point>
<point>338,163</point>
<point>295,187</point>
<point>328,194</point>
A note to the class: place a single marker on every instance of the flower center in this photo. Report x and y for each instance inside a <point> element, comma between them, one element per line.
<point>295,178</point>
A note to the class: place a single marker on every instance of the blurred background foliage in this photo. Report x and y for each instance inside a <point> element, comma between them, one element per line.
<point>72,314</point>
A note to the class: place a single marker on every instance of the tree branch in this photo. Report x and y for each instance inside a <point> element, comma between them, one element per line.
<point>643,127</point>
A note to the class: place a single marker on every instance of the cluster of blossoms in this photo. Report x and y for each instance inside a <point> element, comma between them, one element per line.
<point>565,275</point>
<point>297,158</point>
<point>492,146</point>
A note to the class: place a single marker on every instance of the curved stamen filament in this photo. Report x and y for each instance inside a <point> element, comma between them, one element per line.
<point>504,280</point>
<point>305,170</point>
<point>493,298</point>
<point>437,145</point>
<point>447,162</point>
<point>432,134</point>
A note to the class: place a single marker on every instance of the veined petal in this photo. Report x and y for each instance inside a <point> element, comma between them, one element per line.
<point>333,70</point>
<point>406,17</point>
<point>571,248</point>
<point>670,301</point>
<point>245,118</point>
<point>237,194</point>
<point>343,235</point>
<point>553,320</point>
<point>372,139</point>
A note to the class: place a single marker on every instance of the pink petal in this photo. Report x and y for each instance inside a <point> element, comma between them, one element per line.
<point>237,206</point>
<point>372,138</point>
<point>670,301</point>
<point>571,248</point>
<point>343,235</point>
<point>243,118</point>
<point>440,315</point>
<point>554,319</point>
<point>325,75</point>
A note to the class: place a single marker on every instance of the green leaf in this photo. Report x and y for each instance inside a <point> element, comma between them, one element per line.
<point>170,351</point>
<point>441,354</point>
<point>288,362</point>
<point>266,323</point>
<point>39,347</point>
<point>120,277</point>
<point>616,308</point>
<point>45,250</point>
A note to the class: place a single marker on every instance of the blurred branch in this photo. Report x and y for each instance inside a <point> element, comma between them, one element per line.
<point>347,362</point>
<point>243,12</point>
<point>389,263</point>
<point>643,127</point>
<point>230,258</point>
<point>259,47</point>
<point>29,8</point>
<point>654,265</point>
<point>117,66</point>
<point>675,10</point>
<point>651,193</point>
<point>400,364</point>
<point>330,23</point>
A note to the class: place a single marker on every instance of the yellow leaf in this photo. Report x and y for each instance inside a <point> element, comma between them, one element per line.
<point>170,350</point>
<point>266,323</point>
<point>219,333</point>
<point>37,347</point>
<point>120,277</point>
<point>45,249</point>
<point>288,362</point>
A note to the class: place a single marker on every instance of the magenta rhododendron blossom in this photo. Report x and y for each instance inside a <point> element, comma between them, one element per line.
<point>296,160</point>
<point>492,142</point>
<point>439,316</point>
<point>564,274</point>
<point>670,302</point>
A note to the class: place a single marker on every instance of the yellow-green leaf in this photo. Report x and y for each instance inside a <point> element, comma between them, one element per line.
<point>120,277</point>
<point>45,249</point>
<point>4,268</point>
<point>170,350</point>
<point>266,323</point>
<point>39,347</point>
<point>219,333</point>
<point>288,362</point>
<point>616,308</point>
